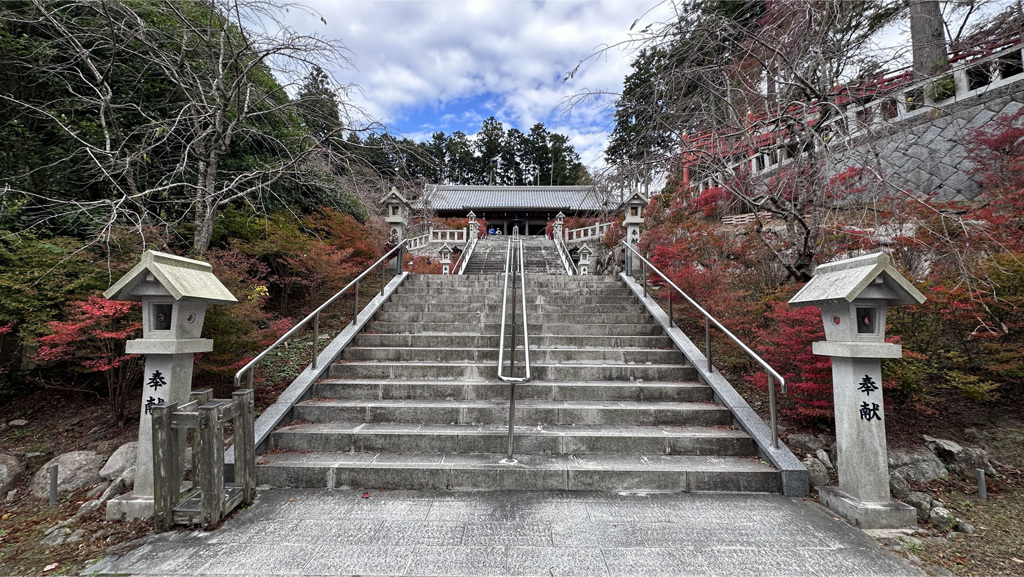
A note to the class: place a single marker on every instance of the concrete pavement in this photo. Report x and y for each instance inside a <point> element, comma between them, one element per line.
<point>337,532</point>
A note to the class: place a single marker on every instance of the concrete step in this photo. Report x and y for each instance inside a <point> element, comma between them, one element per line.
<point>484,371</point>
<point>537,355</point>
<point>493,328</point>
<point>493,294</point>
<point>493,438</point>
<point>494,389</point>
<point>535,411</point>
<point>484,471</point>
<point>575,319</point>
<point>452,305</point>
<point>532,281</point>
<point>491,341</point>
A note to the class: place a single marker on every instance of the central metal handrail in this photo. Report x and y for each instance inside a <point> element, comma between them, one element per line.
<point>314,317</point>
<point>514,247</point>
<point>708,321</point>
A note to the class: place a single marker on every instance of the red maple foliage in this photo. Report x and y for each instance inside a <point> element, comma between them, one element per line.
<point>91,343</point>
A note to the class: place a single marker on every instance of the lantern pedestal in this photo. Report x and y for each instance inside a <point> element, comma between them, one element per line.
<point>862,460</point>
<point>890,515</point>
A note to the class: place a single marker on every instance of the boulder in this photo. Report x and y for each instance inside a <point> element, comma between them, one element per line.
<point>122,458</point>
<point>942,518</point>
<point>18,423</point>
<point>918,464</point>
<point>128,478</point>
<point>898,486</point>
<point>10,469</point>
<point>920,501</point>
<point>822,456</point>
<point>962,459</point>
<point>75,470</point>
<point>964,527</point>
<point>817,473</point>
<point>803,443</point>
<point>1003,443</point>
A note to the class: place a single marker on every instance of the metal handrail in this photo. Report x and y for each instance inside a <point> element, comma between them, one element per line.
<point>314,316</point>
<point>708,321</point>
<point>515,242</point>
<point>563,253</point>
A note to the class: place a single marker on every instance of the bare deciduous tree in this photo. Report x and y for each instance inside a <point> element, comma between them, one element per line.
<point>187,102</point>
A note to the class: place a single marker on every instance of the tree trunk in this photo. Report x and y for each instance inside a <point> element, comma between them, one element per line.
<point>928,36</point>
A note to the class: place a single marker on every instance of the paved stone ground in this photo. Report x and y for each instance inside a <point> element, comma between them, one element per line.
<point>337,532</point>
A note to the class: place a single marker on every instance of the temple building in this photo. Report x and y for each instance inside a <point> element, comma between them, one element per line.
<point>503,207</point>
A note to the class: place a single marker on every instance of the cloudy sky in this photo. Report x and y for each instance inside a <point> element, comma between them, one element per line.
<point>447,65</point>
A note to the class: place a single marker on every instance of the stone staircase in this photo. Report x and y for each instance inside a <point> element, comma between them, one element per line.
<point>414,403</point>
<point>539,256</point>
<point>488,257</point>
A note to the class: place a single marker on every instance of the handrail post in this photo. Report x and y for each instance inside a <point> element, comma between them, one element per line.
<point>355,314</point>
<point>643,278</point>
<point>771,410</point>
<point>383,267</point>
<point>669,309</point>
<point>316,338</point>
<point>707,342</point>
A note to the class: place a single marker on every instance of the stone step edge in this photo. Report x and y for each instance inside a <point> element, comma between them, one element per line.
<point>496,382</point>
<point>520,404</point>
<point>441,461</point>
<point>501,430</point>
<point>518,348</point>
<point>344,363</point>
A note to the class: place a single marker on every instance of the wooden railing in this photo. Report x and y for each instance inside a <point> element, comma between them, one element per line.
<point>209,499</point>
<point>746,218</point>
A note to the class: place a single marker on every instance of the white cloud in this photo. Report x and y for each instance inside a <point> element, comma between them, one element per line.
<point>445,65</point>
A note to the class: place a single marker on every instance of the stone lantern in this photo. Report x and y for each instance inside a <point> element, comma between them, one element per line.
<point>853,296</point>
<point>584,260</point>
<point>556,229</point>
<point>634,218</point>
<point>474,226</point>
<point>446,258</point>
<point>398,210</point>
<point>174,292</point>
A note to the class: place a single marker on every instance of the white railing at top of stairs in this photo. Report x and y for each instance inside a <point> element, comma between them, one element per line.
<point>467,254</point>
<point>563,254</point>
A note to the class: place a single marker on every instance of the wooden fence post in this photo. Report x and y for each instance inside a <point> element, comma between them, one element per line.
<point>245,449</point>
<point>211,454</point>
<point>166,467</point>
<point>201,397</point>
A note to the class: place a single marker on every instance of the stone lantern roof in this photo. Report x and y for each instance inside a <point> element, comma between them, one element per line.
<point>865,277</point>
<point>162,274</point>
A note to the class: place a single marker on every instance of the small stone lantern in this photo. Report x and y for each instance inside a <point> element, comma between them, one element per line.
<point>474,226</point>
<point>584,260</point>
<point>446,258</point>
<point>398,210</point>
<point>174,292</point>
<point>557,227</point>
<point>853,296</point>
<point>633,220</point>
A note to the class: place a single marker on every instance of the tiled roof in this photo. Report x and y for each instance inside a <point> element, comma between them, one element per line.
<point>452,197</point>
